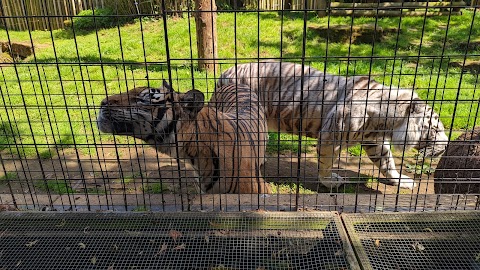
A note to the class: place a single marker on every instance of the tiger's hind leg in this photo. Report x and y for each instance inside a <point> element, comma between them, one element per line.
<point>382,157</point>
<point>327,155</point>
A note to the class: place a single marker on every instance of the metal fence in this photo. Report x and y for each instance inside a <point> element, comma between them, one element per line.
<point>53,155</point>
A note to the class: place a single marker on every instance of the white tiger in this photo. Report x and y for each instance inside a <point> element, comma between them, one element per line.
<point>343,111</point>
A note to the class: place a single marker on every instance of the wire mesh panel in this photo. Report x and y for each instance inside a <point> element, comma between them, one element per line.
<point>174,241</point>
<point>345,106</point>
<point>447,240</point>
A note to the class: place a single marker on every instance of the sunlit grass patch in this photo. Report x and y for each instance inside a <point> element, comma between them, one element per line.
<point>288,143</point>
<point>154,188</point>
<point>54,186</point>
<point>371,182</point>
<point>356,151</point>
<point>290,188</point>
<point>8,176</point>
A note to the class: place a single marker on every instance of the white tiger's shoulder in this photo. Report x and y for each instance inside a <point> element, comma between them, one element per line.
<point>403,94</point>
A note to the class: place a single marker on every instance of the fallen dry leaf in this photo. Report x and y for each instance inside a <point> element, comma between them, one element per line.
<point>63,223</point>
<point>477,257</point>
<point>82,245</point>
<point>31,244</point>
<point>174,234</point>
<point>93,260</point>
<point>207,239</point>
<point>182,246</point>
<point>162,249</point>
<point>417,246</point>
<point>377,243</point>
<point>222,232</point>
<point>215,225</point>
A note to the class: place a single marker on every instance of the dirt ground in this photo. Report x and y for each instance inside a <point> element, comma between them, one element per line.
<point>142,170</point>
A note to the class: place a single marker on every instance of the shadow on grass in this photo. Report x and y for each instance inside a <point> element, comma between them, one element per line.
<point>9,135</point>
<point>285,170</point>
<point>290,15</point>
<point>159,66</point>
<point>11,142</point>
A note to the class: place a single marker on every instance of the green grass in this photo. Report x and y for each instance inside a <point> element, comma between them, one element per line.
<point>154,188</point>
<point>423,168</point>
<point>290,188</point>
<point>356,151</point>
<point>371,182</point>
<point>54,104</point>
<point>54,186</point>
<point>141,208</point>
<point>288,143</point>
<point>127,179</point>
<point>96,190</point>
<point>8,176</point>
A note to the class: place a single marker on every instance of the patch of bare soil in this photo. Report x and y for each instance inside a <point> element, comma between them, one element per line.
<point>469,66</point>
<point>141,172</point>
<point>361,34</point>
<point>360,171</point>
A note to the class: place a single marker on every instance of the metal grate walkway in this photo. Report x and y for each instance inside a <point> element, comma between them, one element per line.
<point>45,240</point>
<point>440,240</point>
<point>248,240</point>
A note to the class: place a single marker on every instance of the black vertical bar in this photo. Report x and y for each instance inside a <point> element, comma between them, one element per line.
<point>461,74</point>
<point>169,70</point>
<point>26,112</point>
<point>302,81</point>
<point>46,109</point>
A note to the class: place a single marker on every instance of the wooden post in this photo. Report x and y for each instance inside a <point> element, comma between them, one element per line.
<point>206,22</point>
<point>287,5</point>
<point>322,5</point>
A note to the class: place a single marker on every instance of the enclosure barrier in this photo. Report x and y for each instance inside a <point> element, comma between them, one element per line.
<point>121,148</point>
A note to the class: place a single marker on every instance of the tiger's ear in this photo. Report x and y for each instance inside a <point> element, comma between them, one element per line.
<point>167,86</point>
<point>416,107</point>
<point>192,102</point>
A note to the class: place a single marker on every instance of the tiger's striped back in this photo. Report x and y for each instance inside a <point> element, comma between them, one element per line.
<point>231,135</point>
<point>341,111</point>
<point>284,93</point>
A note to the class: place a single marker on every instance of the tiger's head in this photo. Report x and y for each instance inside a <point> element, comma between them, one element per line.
<point>150,114</point>
<point>423,131</point>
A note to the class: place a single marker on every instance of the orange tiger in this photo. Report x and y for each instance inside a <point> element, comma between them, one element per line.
<point>224,141</point>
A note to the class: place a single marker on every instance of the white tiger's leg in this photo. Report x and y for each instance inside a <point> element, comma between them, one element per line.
<point>327,154</point>
<point>382,157</point>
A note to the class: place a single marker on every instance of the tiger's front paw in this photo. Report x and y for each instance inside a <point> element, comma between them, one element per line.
<point>404,182</point>
<point>334,181</point>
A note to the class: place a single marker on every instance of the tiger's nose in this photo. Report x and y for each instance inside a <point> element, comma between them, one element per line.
<point>107,101</point>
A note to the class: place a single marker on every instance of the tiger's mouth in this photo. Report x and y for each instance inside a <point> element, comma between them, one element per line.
<point>115,127</point>
<point>108,125</point>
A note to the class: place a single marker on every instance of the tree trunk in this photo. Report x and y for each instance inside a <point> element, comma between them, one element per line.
<point>206,22</point>
<point>321,6</point>
<point>288,5</point>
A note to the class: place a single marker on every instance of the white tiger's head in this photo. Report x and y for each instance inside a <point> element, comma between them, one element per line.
<point>422,129</point>
<point>150,114</point>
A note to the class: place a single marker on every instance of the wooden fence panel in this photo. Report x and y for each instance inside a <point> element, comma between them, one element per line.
<point>60,10</point>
